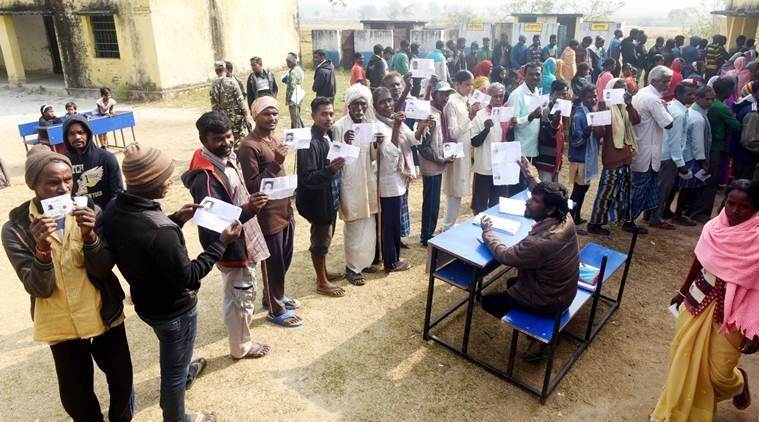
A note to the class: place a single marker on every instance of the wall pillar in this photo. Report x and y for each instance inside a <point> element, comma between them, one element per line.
<point>11,51</point>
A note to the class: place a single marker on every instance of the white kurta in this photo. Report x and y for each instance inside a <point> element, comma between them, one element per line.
<point>358,202</point>
<point>456,180</point>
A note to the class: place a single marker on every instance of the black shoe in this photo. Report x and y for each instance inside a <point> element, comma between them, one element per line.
<point>196,368</point>
<point>597,229</point>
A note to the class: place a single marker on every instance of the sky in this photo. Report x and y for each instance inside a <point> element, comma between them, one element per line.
<point>632,8</point>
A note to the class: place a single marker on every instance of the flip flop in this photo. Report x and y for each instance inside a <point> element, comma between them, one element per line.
<point>196,368</point>
<point>256,352</point>
<point>290,304</point>
<point>334,291</point>
<point>280,320</point>
<point>743,400</point>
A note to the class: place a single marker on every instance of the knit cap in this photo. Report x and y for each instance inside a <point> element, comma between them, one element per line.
<point>37,159</point>
<point>145,168</point>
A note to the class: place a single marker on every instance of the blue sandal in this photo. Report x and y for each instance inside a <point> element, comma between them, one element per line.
<point>280,320</point>
<point>290,304</point>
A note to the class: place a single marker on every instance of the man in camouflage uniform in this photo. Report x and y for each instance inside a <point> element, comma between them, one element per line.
<point>227,98</point>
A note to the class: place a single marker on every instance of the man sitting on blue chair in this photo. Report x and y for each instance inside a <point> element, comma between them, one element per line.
<point>548,259</point>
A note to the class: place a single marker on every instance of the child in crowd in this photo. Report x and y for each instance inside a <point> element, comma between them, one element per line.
<point>71,111</point>
<point>47,118</point>
<point>104,107</point>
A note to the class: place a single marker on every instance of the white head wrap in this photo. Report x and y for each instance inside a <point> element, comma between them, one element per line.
<point>356,92</point>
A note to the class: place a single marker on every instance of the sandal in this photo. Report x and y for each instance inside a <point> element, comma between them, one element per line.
<point>399,266</point>
<point>257,351</point>
<point>371,270</point>
<point>280,320</point>
<point>196,367</point>
<point>290,304</point>
<point>356,279</point>
<point>743,400</point>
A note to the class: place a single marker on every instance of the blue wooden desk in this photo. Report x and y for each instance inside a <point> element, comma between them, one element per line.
<point>459,258</point>
<point>465,263</point>
<point>101,125</point>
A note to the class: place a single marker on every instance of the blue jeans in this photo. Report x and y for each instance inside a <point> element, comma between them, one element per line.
<point>176,338</point>
<point>430,205</point>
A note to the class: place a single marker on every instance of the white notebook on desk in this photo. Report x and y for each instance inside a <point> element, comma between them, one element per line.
<point>501,224</point>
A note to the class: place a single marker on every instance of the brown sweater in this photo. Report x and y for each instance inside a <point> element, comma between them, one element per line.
<point>548,260</point>
<point>256,157</point>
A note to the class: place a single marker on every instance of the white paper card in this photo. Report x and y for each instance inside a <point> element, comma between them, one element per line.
<point>348,152</point>
<point>279,187</point>
<point>57,206</point>
<point>80,201</point>
<point>501,114</point>
<point>365,132</point>
<point>702,175</point>
<point>216,214</point>
<point>453,149</point>
<point>479,97</point>
<point>511,206</point>
<point>298,138</point>
<point>499,223</point>
<point>298,94</point>
<point>614,96</point>
<point>417,109</point>
<point>565,106</point>
<point>599,118</point>
<point>506,174</point>
<point>505,152</point>
<point>539,101</point>
<point>422,68</point>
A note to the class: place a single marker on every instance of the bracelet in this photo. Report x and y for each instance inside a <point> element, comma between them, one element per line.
<point>43,252</point>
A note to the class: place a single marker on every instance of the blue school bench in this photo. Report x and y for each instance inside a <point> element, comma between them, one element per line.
<point>100,125</point>
<point>460,259</point>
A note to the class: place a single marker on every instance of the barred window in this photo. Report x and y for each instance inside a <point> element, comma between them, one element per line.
<point>104,33</point>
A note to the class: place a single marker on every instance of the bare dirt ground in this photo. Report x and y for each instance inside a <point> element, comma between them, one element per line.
<point>360,357</point>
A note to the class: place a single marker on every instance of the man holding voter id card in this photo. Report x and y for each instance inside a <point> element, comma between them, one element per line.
<point>77,302</point>
<point>214,173</point>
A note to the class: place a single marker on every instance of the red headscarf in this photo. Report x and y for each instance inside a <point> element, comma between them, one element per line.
<point>677,77</point>
<point>483,69</point>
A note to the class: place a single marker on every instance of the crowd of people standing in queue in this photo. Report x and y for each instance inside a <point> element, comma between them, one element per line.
<point>688,111</point>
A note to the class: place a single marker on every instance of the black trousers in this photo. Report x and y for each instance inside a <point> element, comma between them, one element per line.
<point>500,303</point>
<point>391,231</point>
<point>281,254</point>
<point>73,365</point>
<point>485,194</point>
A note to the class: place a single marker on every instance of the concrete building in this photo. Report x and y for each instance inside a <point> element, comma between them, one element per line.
<point>742,18</point>
<point>569,23</point>
<point>141,47</point>
<point>401,29</point>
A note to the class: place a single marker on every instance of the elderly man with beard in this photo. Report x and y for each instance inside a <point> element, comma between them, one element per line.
<point>396,169</point>
<point>654,118</point>
<point>399,88</point>
<point>358,192</point>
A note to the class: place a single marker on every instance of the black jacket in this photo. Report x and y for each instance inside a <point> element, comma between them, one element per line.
<point>375,71</point>
<point>324,80</point>
<point>150,251</point>
<point>628,51</point>
<point>253,91</point>
<point>313,198</point>
<point>39,278</point>
<point>96,171</point>
<point>204,179</point>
